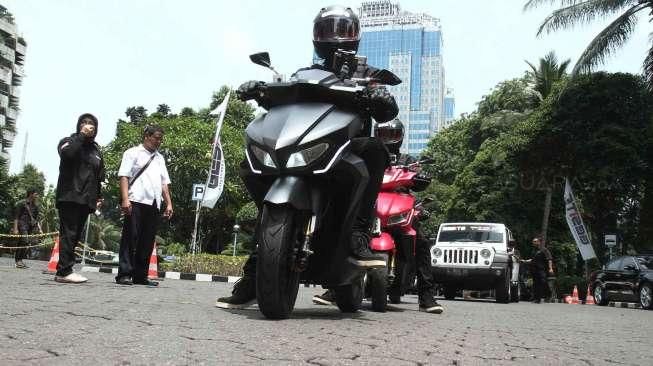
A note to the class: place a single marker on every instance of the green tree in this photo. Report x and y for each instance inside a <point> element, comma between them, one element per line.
<point>547,73</point>
<point>6,200</point>
<point>29,178</point>
<point>545,77</point>
<point>598,124</point>
<point>610,39</point>
<point>136,114</point>
<point>49,215</point>
<point>103,234</point>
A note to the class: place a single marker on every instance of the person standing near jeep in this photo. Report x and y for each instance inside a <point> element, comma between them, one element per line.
<point>539,264</point>
<point>81,171</point>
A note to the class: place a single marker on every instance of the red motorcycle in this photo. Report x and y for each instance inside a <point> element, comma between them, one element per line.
<point>394,234</point>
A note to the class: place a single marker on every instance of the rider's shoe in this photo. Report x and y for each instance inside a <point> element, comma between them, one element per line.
<point>327,298</point>
<point>242,296</point>
<point>429,305</point>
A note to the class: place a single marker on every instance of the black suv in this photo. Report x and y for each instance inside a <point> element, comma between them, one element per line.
<point>628,278</point>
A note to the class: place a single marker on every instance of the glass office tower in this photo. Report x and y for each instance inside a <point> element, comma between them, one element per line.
<point>410,45</point>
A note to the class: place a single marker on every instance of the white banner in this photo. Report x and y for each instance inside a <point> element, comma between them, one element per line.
<point>576,225</point>
<point>215,181</point>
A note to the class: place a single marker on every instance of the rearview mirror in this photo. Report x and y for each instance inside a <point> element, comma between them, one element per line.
<point>261,58</point>
<point>386,77</point>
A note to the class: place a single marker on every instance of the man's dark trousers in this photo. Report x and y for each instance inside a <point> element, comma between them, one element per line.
<point>539,284</point>
<point>72,217</point>
<point>425,280</point>
<point>138,231</point>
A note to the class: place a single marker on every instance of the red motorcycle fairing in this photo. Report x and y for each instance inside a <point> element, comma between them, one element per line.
<point>391,204</point>
<point>382,243</point>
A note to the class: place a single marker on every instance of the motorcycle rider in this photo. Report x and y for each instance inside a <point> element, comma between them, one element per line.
<point>392,133</point>
<point>335,28</point>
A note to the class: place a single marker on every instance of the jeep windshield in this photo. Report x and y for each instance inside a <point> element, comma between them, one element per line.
<point>471,233</point>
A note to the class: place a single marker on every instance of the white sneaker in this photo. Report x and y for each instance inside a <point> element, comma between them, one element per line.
<point>71,278</point>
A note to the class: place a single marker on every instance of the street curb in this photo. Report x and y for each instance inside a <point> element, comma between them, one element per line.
<point>628,305</point>
<point>201,277</point>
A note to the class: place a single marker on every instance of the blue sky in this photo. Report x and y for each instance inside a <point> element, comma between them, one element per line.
<point>101,56</point>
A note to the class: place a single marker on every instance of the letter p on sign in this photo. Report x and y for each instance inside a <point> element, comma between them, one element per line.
<point>198,191</point>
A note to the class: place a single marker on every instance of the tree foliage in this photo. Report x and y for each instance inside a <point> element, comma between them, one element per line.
<point>495,164</point>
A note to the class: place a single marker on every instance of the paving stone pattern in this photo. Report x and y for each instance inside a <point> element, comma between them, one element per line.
<point>101,323</point>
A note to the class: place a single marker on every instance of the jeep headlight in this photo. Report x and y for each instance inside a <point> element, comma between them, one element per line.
<point>437,252</point>
<point>399,219</point>
<point>485,253</point>
<point>263,156</point>
<point>306,156</point>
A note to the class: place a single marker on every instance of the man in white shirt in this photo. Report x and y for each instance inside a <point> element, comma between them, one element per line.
<point>144,182</point>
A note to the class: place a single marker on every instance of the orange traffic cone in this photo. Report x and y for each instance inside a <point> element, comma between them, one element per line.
<point>589,300</point>
<point>574,296</point>
<point>54,258</point>
<point>153,271</point>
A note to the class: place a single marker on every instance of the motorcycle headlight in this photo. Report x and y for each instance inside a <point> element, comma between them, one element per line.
<point>263,156</point>
<point>306,156</point>
<point>399,219</point>
<point>485,253</point>
<point>437,252</point>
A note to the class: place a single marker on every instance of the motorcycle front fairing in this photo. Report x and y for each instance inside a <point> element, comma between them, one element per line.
<point>300,154</point>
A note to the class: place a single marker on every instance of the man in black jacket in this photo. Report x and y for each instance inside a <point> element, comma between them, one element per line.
<point>81,171</point>
<point>334,28</point>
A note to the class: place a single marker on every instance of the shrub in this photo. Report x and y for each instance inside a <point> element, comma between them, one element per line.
<point>176,249</point>
<point>207,263</point>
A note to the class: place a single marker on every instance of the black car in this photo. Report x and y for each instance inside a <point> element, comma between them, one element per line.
<point>628,279</point>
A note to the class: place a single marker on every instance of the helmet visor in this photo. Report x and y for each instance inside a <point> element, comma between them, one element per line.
<point>336,29</point>
<point>389,134</point>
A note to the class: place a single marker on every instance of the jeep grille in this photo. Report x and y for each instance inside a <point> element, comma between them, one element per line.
<point>461,256</point>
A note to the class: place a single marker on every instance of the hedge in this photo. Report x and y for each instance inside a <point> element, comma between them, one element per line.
<point>223,265</point>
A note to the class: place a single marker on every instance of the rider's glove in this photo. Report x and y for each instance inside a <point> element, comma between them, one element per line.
<point>249,90</point>
<point>383,107</point>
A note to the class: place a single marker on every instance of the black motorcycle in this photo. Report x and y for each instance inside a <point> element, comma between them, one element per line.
<point>300,157</point>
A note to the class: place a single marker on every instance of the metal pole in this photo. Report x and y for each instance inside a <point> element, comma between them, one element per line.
<point>88,224</point>
<point>236,228</point>
<point>194,238</point>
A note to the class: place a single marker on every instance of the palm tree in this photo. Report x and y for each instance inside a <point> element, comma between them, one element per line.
<point>546,76</point>
<point>610,39</point>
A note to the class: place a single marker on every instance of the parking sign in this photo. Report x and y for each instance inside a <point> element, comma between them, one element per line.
<point>198,191</point>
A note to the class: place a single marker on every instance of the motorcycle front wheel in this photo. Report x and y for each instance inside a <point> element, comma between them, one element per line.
<point>276,282</point>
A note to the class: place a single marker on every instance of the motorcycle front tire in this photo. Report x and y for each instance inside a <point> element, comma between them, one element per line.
<point>276,283</point>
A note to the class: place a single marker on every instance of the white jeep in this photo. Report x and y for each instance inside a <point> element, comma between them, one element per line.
<point>476,256</point>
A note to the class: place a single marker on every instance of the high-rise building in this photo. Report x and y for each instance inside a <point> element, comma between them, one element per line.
<point>410,45</point>
<point>12,56</point>
<point>449,108</point>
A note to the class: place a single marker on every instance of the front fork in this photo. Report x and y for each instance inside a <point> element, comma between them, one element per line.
<point>301,253</point>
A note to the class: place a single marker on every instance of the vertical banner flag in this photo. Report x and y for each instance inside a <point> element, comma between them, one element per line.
<point>215,181</point>
<point>576,225</point>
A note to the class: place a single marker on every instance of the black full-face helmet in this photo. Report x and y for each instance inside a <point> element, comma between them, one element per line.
<point>391,133</point>
<point>335,27</point>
